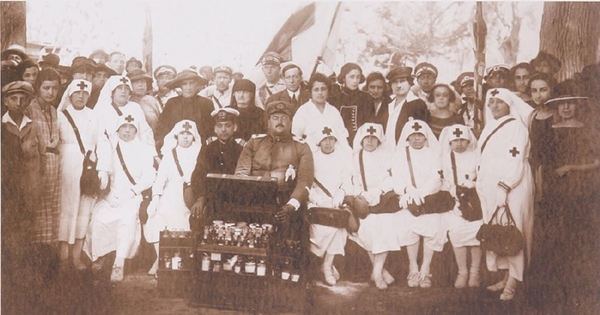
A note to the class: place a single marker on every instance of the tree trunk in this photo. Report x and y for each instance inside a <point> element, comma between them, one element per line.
<point>510,47</point>
<point>13,23</point>
<point>571,32</point>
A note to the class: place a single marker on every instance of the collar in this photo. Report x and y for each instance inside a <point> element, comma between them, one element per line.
<point>7,119</point>
<point>291,94</point>
<point>284,138</point>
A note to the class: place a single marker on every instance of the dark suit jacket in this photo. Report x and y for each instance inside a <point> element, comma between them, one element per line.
<point>417,109</point>
<point>284,96</point>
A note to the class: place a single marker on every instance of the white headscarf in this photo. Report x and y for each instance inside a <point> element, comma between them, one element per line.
<point>325,131</point>
<point>367,129</point>
<point>76,85</point>
<point>455,132</point>
<point>105,98</point>
<point>170,140</point>
<point>518,108</point>
<point>413,126</point>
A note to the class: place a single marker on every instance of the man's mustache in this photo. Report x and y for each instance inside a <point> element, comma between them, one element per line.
<point>279,125</point>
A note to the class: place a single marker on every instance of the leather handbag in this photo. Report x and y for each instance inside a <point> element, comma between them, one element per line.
<point>440,202</point>
<point>89,183</point>
<point>468,199</point>
<point>502,239</point>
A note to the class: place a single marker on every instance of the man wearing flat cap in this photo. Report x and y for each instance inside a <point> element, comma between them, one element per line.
<point>189,105</point>
<point>101,75</point>
<point>294,92</point>
<point>219,155</point>
<point>219,93</point>
<point>271,67</point>
<point>404,105</point>
<point>23,160</point>
<point>83,68</point>
<point>278,154</point>
<point>163,74</point>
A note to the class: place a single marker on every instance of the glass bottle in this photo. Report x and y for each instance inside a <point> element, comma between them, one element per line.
<point>175,261</point>
<point>205,262</point>
<point>261,268</point>
<point>286,270</point>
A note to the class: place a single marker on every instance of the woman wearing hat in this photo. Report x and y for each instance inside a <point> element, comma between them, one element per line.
<point>505,180</point>
<point>251,119</point>
<point>141,84</point>
<point>188,105</point>
<point>76,208</point>
<point>42,111</point>
<point>333,181</point>
<point>115,225</point>
<point>355,106</point>
<point>23,164</point>
<point>315,113</point>
<point>568,220</point>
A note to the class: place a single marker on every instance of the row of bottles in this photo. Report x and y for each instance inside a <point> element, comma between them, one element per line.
<point>166,233</point>
<point>249,265</point>
<point>176,259</point>
<point>239,234</point>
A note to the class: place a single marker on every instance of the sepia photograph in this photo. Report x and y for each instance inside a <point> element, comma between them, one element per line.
<point>300,157</point>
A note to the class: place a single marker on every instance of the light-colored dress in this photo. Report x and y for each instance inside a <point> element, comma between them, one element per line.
<point>172,212</point>
<point>75,209</point>
<point>308,119</point>
<point>334,172</point>
<point>505,159</point>
<point>115,224</point>
<point>379,233</point>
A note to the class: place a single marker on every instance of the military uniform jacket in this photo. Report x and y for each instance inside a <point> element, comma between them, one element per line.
<point>266,155</point>
<point>284,96</point>
<point>215,157</point>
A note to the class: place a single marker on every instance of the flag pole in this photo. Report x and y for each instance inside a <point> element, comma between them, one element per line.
<point>319,58</point>
<point>480,33</point>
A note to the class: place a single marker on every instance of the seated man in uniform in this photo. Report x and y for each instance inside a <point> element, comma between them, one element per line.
<point>219,155</point>
<point>278,154</point>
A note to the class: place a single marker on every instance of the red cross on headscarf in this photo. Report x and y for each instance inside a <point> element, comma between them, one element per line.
<point>129,118</point>
<point>495,92</point>
<point>82,85</point>
<point>457,132</point>
<point>371,130</point>
<point>416,126</point>
<point>187,126</point>
<point>327,131</point>
<point>514,151</point>
<point>124,80</point>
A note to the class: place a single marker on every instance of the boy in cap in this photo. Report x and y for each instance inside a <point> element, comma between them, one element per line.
<point>163,74</point>
<point>271,67</point>
<point>219,155</point>
<point>141,84</point>
<point>189,105</point>
<point>23,160</point>
<point>426,75</point>
<point>219,93</point>
<point>471,109</point>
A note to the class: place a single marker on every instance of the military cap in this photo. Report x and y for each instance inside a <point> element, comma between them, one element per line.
<point>271,58</point>
<point>400,72</point>
<point>17,87</point>
<point>164,69</point>
<point>223,69</point>
<point>15,49</point>
<point>425,67</point>
<point>279,107</point>
<point>224,114</point>
<point>497,68</point>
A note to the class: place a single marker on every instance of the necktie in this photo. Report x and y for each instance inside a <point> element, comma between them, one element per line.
<point>294,101</point>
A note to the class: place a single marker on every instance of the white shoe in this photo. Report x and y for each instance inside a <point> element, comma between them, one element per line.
<point>474,280</point>
<point>387,277</point>
<point>335,272</point>
<point>116,274</point>
<point>425,281</point>
<point>413,279</point>
<point>461,280</point>
<point>154,269</point>
<point>329,278</point>
<point>379,282</point>
<point>497,287</point>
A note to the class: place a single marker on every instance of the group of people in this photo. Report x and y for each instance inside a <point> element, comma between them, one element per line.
<point>389,152</point>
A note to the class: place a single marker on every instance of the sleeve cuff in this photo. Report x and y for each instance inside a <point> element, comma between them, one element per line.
<point>295,203</point>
